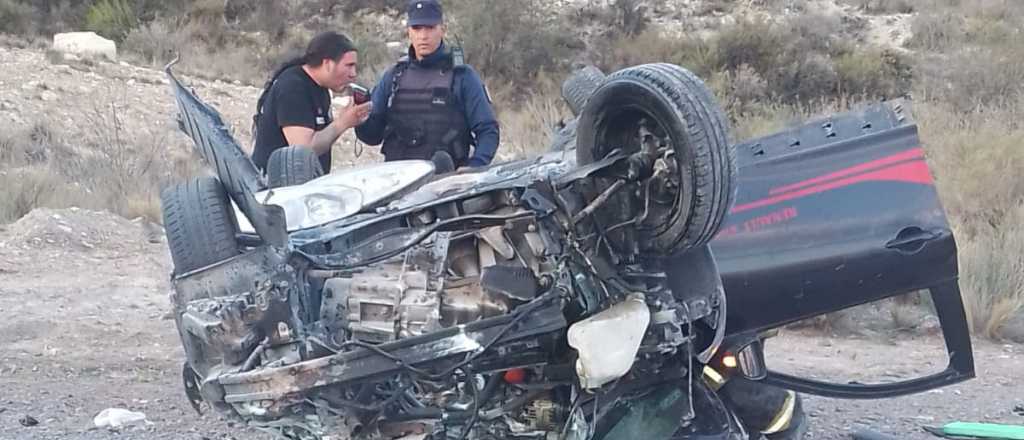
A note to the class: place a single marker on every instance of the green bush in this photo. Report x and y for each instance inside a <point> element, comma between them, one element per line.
<point>514,41</point>
<point>757,44</point>
<point>653,46</point>
<point>111,18</point>
<point>33,17</point>
<point>874,74</point>
<point>16,17</point>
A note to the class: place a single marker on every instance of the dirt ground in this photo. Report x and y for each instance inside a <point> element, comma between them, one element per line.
<point>84,296</point>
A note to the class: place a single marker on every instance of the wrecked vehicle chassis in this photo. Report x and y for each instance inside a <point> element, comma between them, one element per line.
<point>570,295</point>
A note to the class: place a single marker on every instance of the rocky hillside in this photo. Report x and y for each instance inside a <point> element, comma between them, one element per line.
<point>100,135</point>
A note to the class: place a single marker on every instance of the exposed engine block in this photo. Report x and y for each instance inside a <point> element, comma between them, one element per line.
<point>381,304</point>
<point>452,282</point>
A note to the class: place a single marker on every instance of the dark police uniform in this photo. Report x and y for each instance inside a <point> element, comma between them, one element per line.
<point>294,99</point>
<point>429,105</point>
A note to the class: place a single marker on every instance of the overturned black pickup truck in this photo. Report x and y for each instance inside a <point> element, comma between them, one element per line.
<point>621,285</point>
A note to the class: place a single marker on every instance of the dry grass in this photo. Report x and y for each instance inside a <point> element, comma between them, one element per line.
<point>975,158</point>
<point>965,75</point>
<point>528,130</point>
<point>992,274</point>
<point>108,167</point>
<point>885,6</point>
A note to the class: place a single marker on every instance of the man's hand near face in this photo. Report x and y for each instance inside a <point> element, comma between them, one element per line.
<point>351,115</point>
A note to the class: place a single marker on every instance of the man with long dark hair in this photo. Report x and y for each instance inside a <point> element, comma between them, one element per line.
<point>295,107</point>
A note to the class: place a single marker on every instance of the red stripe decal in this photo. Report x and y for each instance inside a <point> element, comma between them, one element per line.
<point>913,172</point>
<point>916,153</point>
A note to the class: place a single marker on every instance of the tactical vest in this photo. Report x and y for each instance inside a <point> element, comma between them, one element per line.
<point>423,117</point>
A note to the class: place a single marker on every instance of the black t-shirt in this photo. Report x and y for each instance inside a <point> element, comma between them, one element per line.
<point>293,100</point>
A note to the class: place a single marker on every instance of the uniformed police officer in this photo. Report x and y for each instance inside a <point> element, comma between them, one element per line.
<point>430,102</point>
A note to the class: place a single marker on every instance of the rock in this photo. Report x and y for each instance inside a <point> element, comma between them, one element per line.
<point>48,96</point>
<point>28,421</point>
<point>395,47</point>
<point>1014,328</point>
<point>1019,410</point>
<point>86,44</point>
<point>114,418</point>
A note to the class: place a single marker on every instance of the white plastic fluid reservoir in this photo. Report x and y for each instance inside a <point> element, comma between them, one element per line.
<point>608,341</point>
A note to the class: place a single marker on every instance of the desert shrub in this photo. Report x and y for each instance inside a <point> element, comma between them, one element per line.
<point>512,40</point>
<point>803,59</point>
<point>13,151</point>
<point>885,6</point>
<point>41,17</point>
<point>16,17</point>
<point>874,73</point>
<point>158,41</point>
<point>111,18</point>
<point>793,68</point>
<point>354,6</point>
<point>975,77</point>
<point>208,12</point>
<point>29,145</point>
<point>973,156</point>
<point>27,174</point>
<point>936,31</point>
<point>805,79</point>
<point>105,167</point>
<point>740,91</point>
<point>270,16</point>
<point>710,7</point>
<point>990,32</point>
<point>630,17</point>
<point>757,44</point>
<point>528,129</point>
<point>992,275</point>
<point>25,190</point>
<point>814,32</point>
<point>653,46</point>
<point>996,10</point>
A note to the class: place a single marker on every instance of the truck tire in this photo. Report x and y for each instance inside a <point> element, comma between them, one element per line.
<point>578,87</point>
<point>199,223</point>
<point>290,166</point>
<point>679,111</point>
